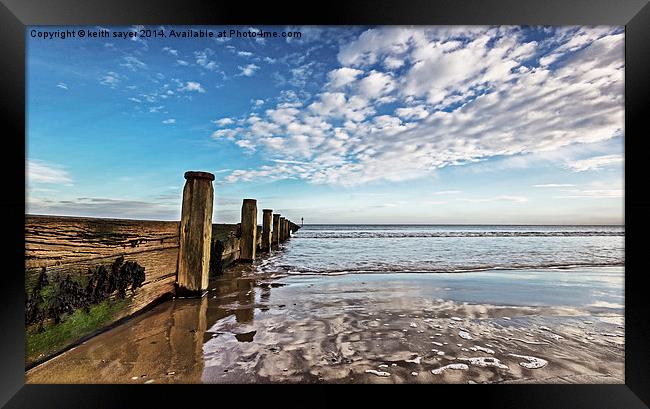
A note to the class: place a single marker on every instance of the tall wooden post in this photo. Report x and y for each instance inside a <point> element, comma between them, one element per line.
<point>281,229</point>
<point>193,266</point>
<point>248,240</point>
<point>267,215</point>
<point>286,230</point>
<point>276,230</point>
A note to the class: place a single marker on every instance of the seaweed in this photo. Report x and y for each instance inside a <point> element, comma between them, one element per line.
<point>130,274</point>
<point>32,311</point>
<point>63,296</point>
<point>100,285</point>
<point>216,254</point>
<point>69,297</point>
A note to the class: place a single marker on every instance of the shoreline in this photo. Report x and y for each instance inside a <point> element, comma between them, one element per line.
<point>505,269</point>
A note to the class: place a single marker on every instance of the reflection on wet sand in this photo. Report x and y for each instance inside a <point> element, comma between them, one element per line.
<point>363,328</point>
<point>161,345</point>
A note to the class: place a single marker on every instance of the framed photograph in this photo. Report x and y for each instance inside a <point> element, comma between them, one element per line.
<point>413,193</point>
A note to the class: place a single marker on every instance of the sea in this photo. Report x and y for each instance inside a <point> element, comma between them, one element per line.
<point>347,249</point>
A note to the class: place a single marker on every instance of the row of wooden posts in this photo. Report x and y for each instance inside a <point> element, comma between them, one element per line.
<point>196,233</point>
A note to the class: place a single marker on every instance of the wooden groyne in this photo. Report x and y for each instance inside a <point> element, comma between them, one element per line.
<point>83,275</point>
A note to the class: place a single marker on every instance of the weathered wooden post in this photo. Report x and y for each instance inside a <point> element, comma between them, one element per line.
<point>281,231</point>
<point>193,266</point>
<point>276,229</point>
<point>267,215</point>
<point>248,240</point>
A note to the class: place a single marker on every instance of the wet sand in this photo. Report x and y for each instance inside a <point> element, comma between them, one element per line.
<point>361,328</point>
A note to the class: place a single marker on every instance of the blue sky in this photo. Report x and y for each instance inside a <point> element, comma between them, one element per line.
<point>344,125</point>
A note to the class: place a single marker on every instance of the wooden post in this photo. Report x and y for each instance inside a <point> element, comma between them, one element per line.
<point>193,267</point>
<point>286,230</point>
<point>281,231</point>
<point>267,215</point>
<point>276,229</point>
<point>248,239</point>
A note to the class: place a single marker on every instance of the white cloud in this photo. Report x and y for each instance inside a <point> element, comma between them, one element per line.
<point>182,62</point>
<point>414,112</point>
<point>248,70</point>
<point>224,121</point>
<point>169,121</point>
<point>554,185</point>
<point>376,84</point>
<point>43,172</point>
<point>374,42</point>
<point>502,198</point>
<point>203,59</point>
<point>170,51</point>
<point>343,76</point>
<point>290,161</point>
<point>243,143</point>
<point>111,79</point>
<point>596,163</point>
<point>133,63</point>
<point>226,133</point>
<point>191,86</point>
<point>591,194</point>
<point>300,75</point>
<point>62,85</point>
<point>392,63</point>
<point>336,104</point>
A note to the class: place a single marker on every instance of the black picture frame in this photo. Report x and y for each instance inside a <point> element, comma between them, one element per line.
<point>15,15</point>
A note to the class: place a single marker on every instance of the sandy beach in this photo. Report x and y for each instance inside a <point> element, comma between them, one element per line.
<point>364,328</point>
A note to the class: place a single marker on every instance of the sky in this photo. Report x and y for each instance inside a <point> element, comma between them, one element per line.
<point>423,124</point>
